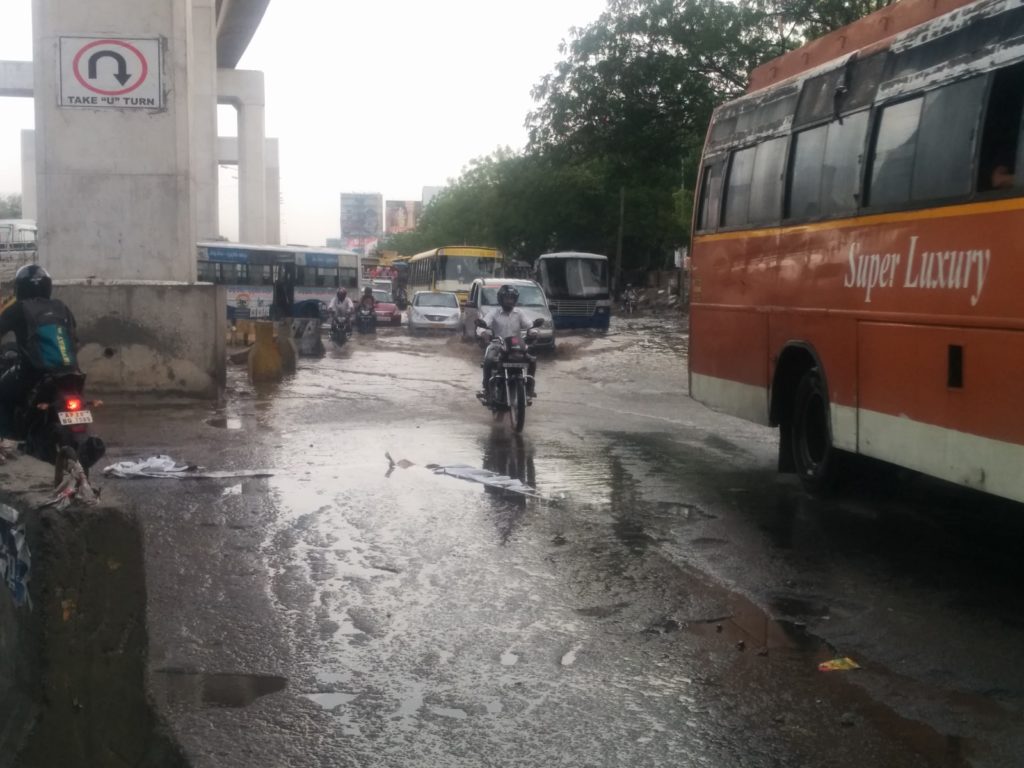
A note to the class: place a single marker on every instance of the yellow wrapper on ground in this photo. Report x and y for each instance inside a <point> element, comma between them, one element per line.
<point>838,665</point>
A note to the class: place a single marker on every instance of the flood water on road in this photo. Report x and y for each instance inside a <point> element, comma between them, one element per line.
<point>659,597</point>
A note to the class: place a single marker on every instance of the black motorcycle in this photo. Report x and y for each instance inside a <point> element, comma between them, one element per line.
<point>509,382</point>
<point>341,329</point>
<point>366,320</point>
<point>55,415</point>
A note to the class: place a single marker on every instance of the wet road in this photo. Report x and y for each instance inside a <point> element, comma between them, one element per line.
<point>662,599</point>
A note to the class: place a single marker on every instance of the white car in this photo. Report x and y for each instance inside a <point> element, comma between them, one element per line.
<point>434,310</point>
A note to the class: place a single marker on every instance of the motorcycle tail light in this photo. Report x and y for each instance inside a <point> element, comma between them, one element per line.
<point>73,404</point>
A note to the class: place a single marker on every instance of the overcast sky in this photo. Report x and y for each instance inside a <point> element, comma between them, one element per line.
<point>382,97</point>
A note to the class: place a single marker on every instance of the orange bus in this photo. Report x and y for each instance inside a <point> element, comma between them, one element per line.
<point>858,248</point>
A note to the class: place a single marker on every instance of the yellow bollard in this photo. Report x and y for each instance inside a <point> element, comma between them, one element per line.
<point>265,362</point>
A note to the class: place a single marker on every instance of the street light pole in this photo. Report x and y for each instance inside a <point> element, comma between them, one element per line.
<point>618,244</point>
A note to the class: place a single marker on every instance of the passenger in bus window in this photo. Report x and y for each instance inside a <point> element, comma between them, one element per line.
<point>1002,176</point>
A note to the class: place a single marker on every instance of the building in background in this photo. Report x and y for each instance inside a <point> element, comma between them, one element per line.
<point>362,215</point>
<point>401,215</point>
<point>429,193</point>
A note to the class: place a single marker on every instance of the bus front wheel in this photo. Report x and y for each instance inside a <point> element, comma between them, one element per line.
<point>816,459</point>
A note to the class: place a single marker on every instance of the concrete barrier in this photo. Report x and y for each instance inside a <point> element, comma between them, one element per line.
<point>73,656</point>
<point>149,337</point>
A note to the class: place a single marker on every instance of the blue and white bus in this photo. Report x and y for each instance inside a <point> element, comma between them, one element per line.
<point>576,285</point>
<point>248,272</point>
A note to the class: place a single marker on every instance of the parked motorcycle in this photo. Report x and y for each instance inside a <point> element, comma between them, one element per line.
<point>509,382</point>
<point>55,415</point>
<point>341,329</point>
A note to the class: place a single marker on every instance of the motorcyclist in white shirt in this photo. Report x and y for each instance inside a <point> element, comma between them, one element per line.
<point>504,321</point>
<point>341,305</point>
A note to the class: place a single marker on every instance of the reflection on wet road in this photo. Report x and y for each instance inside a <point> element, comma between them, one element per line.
<point>663,600</point>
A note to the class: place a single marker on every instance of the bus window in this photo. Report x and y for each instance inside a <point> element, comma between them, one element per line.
<point>945,144</point>
<point>766,183</point>
<point>825,175</point>
<point>737,189</point>
<point>207,272</point>
<point>1001,148</point>
<point>840,172</point>
<point>711,196</point>
<point>893,161</point>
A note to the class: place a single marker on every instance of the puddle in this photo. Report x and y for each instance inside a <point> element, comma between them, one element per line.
<point>214,689</point>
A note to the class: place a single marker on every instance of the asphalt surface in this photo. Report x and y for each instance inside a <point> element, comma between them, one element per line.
<point>659,597</point>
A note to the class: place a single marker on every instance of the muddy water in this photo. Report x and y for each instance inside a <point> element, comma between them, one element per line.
<point>663,599</point>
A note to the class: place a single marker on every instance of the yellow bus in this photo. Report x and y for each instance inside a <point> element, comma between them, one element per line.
<point>452,268</point>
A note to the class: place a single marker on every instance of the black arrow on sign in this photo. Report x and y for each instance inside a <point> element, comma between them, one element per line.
<point>122,65</point>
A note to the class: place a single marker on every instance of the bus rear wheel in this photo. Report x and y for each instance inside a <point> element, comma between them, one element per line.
<point>815,458</point>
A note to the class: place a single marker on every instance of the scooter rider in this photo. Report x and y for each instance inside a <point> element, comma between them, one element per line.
<point>507,320</point>
<point>34,314</point>
<point>341,305</point>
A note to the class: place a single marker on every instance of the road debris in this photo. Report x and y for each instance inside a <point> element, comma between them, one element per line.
<point>164,467</point>
<point>74,486</point>
<point>843,664</point>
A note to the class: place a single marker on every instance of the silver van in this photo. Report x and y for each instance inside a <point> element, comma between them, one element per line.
<point>483,299</point>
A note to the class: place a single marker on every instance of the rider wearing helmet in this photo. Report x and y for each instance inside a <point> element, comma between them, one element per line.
<point>507,320</point>
<point>32,316</point>
<point>341,305</point>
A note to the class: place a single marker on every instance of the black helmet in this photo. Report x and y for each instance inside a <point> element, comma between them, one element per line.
<point>508,292</point>
<point>32,282</point>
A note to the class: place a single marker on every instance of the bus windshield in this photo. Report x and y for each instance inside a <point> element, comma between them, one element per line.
<point>466,269</point>
<point>575,277</point>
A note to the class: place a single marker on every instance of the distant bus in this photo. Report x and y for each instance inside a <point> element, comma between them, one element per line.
<point>576,285</point>
<point>248,272</point>
<point>17,247</point>
<point>857,263</point>
<point>452,268</point>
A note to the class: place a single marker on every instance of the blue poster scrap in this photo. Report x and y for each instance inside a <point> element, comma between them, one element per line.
<point>15,559</point>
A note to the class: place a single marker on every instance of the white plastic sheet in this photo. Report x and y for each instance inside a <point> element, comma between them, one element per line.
<point>164,467</point>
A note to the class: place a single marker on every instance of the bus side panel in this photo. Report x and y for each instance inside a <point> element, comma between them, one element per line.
<point>833,341</point>
<point>945,401</point>
<point>728,371</point>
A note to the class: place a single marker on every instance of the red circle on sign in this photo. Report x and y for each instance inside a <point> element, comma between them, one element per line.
<point>118,43</point>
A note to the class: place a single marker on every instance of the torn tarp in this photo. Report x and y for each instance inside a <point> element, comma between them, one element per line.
<point>165,467</point>
<point>486,477</point>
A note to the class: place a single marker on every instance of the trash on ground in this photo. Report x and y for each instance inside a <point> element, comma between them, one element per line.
<point>485,477</point>
<point>8,450</point>
<point>473,474</point>
<point>838,665</point>
<point>166,467</point>
<point>234,490</point>
<point>15,558</point>
<point>74,486</point>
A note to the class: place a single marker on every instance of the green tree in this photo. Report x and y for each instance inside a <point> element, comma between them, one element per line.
<point>10,206</point>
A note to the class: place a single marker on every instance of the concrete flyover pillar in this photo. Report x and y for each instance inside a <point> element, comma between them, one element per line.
<point>29,207</point>
<point>204,118</point>
<point>273,166</point>
<point>227,154</point>
<point>114,138</point>
<point>243,89</point>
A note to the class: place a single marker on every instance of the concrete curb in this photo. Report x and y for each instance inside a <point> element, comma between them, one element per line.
<point>73,660</point>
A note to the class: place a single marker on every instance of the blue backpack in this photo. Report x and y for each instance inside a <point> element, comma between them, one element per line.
<point>50,341</point>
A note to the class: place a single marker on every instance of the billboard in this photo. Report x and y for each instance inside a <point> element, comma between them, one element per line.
<point>401,215</point>
<point>361,214</point>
